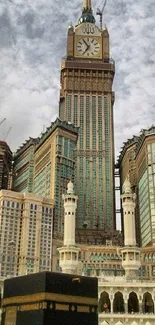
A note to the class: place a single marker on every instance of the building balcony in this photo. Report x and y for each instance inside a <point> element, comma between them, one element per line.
<point>75,63</point>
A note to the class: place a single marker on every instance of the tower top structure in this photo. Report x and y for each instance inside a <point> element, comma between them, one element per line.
<point>87,13</point>
<point>87,4</point>
<point>127,186</point>
<point>70,188</point>
<point>130,252</point>
<point>88,71</point>
<point>69,253</point>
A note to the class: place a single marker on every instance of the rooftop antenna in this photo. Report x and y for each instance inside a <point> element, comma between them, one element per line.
<point>100,13</point>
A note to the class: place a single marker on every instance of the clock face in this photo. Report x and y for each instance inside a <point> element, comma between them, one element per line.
<point>88,47</point>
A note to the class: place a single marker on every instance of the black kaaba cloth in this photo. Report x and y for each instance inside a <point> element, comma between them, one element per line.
<point>50,299</point>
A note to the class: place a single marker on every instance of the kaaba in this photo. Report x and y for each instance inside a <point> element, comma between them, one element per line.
<point>50,299</point>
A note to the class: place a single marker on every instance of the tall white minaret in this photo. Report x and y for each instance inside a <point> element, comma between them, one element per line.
<point>130,252</point>
<point>69,253</point>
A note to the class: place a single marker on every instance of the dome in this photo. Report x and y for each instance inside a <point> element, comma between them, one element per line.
<point>87,17</point>
<point>70,28</point>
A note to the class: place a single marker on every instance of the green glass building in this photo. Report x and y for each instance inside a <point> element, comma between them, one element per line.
<point>54,162</point>
<point>23,170</point>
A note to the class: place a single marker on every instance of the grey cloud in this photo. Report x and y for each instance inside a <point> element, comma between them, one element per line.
<point>6,39</point>
<point>29,80</point>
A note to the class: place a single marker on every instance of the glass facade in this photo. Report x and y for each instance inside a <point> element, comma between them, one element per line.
<point>42,181</point>
<point>64,171</point>
<point>147,198</point>
<point>53,163</point>
<point>95,159</point>
<point>24,170</point>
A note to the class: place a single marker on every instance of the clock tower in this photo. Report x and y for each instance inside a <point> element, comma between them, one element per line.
<point>86,99</point>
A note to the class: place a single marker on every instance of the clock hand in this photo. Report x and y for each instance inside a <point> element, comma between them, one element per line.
<point>85,42</point>
<point>86,49</point>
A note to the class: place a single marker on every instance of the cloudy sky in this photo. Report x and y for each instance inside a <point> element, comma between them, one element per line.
<point>32,43</point>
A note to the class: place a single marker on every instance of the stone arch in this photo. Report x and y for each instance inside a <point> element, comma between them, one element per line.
<point>104,303</point>
<point>147,303</point>
<point>133,304</point>
<point>150,257</point>
<point>145,258</point>
<point>119,323</point>
<point>108,257</point>
<point>104,257</point>
<point>148,323</point>
<point>134,323</point>
<point>118,304</point>
<point>92,257</point>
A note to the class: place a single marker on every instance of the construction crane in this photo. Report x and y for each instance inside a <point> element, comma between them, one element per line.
<point>6,135</point>
<point>4,119</point>
<point>100,13</point>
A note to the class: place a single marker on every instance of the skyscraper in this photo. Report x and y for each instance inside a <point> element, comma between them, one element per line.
<point>137,159</point>
<point>26,223</point>
<point>54,166</point>
<point>44,166</point>
<point>23,172</point>
<point>5,165</point>
<point>86,99</point>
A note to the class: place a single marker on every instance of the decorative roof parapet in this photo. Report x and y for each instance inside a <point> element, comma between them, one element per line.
<point>144,133</point>
<point>138,140</point>
<point>54,125</point>
<point>126,145</point>
<point>26,145</point>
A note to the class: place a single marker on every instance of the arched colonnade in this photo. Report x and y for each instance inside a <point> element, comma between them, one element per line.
<point>126,303</point>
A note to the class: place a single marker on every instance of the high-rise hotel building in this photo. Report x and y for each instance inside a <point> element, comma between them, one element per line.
<point>5,165</point>
<point>45,165</point>
<point>54,162</point>
<point>26,224</point>
<point>23,172</point>
<point>86,100</point>
<point>137,160</point>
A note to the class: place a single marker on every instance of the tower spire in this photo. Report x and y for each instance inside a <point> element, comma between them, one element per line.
<point>69,253</point>
<point>87,4</point>
<point>130,252</point>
